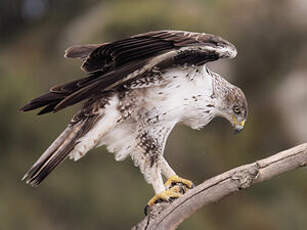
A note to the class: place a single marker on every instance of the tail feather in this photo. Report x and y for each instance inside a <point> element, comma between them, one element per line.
<point>83,133</point>
<point>55,154</point>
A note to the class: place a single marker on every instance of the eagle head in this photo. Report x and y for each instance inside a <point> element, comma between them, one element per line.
<point>234,108</point>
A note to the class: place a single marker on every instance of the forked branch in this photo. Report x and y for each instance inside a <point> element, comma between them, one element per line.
<point>165,216</point>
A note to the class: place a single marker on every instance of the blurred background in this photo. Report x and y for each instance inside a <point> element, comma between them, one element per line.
<point>100,193</point>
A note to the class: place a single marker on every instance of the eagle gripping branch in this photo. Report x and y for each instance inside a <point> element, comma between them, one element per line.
<point>165,216</point>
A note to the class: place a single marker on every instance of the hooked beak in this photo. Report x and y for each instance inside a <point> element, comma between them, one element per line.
<point>238,126</point>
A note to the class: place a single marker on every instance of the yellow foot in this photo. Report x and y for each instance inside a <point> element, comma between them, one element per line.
<point>176,187</point>
<point>165,196</point>
<point>176,180</point>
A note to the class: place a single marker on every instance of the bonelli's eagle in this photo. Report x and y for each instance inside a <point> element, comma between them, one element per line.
<point>136,90</point>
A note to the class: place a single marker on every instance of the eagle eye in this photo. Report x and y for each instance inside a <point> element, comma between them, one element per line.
<point>236,109</point>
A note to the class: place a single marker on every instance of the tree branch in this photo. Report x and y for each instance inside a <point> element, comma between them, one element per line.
<point>169,216</point>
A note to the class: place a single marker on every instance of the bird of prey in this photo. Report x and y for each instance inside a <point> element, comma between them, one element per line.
<point>136,90</point>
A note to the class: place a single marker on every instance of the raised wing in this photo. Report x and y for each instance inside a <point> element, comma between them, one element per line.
<point>113,64</point>
<point>112,55</point>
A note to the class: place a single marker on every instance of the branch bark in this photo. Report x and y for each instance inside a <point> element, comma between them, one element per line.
<point>170,215</point>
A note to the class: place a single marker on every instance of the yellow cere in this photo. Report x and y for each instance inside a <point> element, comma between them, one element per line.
<point>235,121</point>
<point>242,123</point>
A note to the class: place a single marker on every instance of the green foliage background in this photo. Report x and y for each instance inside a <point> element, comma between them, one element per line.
<point>100,193</point>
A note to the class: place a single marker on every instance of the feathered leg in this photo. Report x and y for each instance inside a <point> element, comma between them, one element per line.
<point>148,156</point>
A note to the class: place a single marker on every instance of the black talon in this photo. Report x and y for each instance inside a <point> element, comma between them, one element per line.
<point>146,209</point>
<point>159,201</point>
<point>171,199</point>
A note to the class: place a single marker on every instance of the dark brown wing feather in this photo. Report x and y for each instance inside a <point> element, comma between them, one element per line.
<point>113,55</point>
<point>81,51</point>
<point>112,64</point>
<point>58,93</point>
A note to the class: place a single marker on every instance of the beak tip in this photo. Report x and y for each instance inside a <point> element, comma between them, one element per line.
<point>238,129</point>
